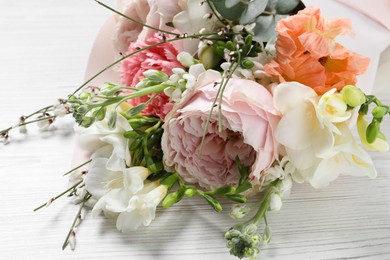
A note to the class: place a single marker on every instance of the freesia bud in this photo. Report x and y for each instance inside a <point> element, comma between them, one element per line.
<point>372,131</point>
<point>353,96</point>
<point>209,58</point>
<point>156,76</point>
<point>380,144</point>
<point>185,59</point>
<point>275,203</point>
<point>379,112</point>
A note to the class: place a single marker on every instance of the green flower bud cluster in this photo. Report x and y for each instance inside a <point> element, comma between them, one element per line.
<point>239,51</point>
<point>91,105</point>
<point>145,140</point>
<point>378,113</point>
<point>243,242</point>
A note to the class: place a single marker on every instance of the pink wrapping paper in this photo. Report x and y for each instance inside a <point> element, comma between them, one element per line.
<point>377,10</point>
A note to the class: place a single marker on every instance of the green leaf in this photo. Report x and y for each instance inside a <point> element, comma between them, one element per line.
<point>136,110</point>
<point>233,13</point>
<point>135,144</point>
<point>286,6</point>
<point>254,9</point>
<point>265,26</point>
<point>231,3</point>
<point>131,134</point>
<point>243,187</point>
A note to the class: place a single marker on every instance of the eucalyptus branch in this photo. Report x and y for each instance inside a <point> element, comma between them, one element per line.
<point>223,21</point>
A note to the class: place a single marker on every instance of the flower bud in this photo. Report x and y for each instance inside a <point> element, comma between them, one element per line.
<point>251,229</point>
<point>372,131</point>
<point>275,203</point>
<point>353,96</point>
<point>156,76</point>
<point>379,112</point>
<point>185,59</point>
<point>110,89</point>
<point>190,192</point>
<point>239,211</point>
<point>209,58</point>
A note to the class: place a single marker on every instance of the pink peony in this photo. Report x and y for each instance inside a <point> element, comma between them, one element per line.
<point>155,13</point>
<point>249,119</point>
<point>162,58</point>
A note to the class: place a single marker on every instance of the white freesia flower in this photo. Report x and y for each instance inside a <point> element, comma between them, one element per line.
<point>141,208</point>
<point>316,136</point>
<point>99,135</point>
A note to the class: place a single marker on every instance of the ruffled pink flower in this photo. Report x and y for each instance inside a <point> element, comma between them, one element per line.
<point>161,58</point>
<point>248,118</point>
<point>307,52</point>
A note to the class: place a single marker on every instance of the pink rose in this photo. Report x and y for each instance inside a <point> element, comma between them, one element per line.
<point>161,58</point>
<point>155,13</point>
<point>248,117</point>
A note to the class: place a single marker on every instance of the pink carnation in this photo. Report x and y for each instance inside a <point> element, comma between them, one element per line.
<point>248,117</point>
<point>161,58</point>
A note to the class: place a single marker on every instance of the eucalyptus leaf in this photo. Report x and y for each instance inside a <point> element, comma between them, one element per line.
<point>254,9</point>
<point>233,13</point>
<point>231,3</point>
<point>286,6</point>
<point>265,27</point>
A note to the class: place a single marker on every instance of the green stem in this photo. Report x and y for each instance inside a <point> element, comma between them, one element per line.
<point>37,120</point>
<point>86,198</point>
<point>78,167</point>
<point>59,195</point>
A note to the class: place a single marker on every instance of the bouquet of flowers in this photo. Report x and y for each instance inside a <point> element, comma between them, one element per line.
<point>222,99</point>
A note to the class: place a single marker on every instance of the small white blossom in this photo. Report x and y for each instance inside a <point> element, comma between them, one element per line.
<point>61,108</point>
<point>239,211</point>
<point>185,59</point>
<point>275,203</point>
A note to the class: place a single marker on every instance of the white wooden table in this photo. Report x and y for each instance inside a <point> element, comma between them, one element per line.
<point>44,47</point>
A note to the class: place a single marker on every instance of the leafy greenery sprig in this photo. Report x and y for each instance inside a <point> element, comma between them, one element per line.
<point>228,192</point>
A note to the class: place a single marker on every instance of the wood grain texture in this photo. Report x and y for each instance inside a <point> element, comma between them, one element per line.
<point>44,47</point>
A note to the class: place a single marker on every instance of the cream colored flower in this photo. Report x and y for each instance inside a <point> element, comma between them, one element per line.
<point>316,136</point>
